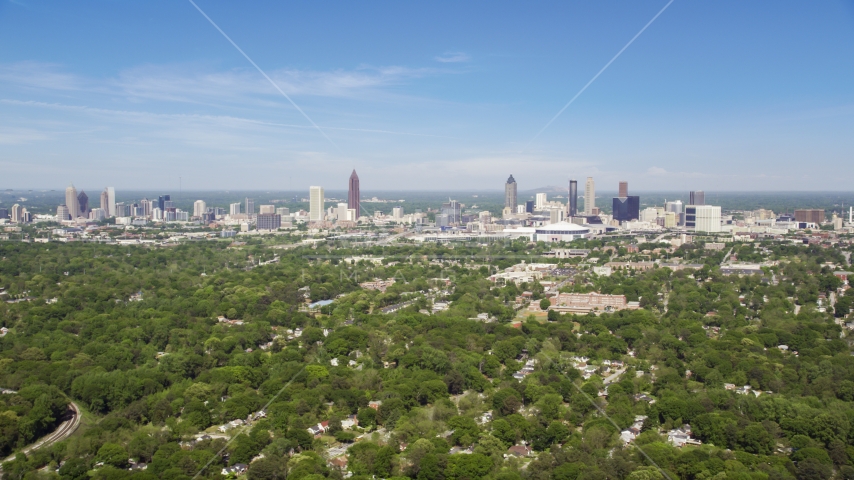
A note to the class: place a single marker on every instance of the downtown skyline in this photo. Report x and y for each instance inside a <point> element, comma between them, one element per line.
<point>706,98</point>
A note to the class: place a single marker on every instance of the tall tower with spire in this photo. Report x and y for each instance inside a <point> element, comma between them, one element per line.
<point>510,194</point>
<point>353,198</point>
<point>71,201</point>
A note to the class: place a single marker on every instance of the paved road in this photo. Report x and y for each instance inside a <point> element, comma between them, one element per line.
<point>614,376</point>
<point>62,432</point>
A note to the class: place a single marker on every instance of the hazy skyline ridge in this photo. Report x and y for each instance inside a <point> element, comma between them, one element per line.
<point>721,96</point>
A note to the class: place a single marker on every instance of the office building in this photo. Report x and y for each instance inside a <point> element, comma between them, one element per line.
<point>122,210</point>
<point>703,218</point>
<point>105,201</point>
<point>4,213</point>
<point>397,213</point>
<point>510,193</point>
<point>354,201</point>
<point>316,204</point>
<point>812,215</point>
<point>97,214</point>
<point>267,209</point>
<point>670,220</point>
<point>71,202</point>
<point>250,206</point>
<point>572,204</point>
<point>540,201</point>
<point>674,206</point>
<point>341,212</point>
<point>697,198</point>
<point>626,209</point>
<point>199,208</point>
<point>529,206</point>
<point>589,196</point>
<point>453,210</point>
<point>83,203</point>
<point>268,221</point>
<point>520,209</point>
<point>17,213</point>
<point>161,201</point>
<point>62,213</point>
<point>283,211</point>
<point>111,201</point>
<point>234,208</point>
<point>442,220</point>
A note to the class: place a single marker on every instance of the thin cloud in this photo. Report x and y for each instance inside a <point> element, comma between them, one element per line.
<point>453,57</point>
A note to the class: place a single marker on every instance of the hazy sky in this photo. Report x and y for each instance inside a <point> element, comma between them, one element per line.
<point>724,95</point>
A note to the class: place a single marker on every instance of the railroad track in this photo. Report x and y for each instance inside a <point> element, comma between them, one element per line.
<point>62,432</point>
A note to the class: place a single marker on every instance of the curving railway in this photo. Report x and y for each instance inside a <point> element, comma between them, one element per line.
<point>62,432</point>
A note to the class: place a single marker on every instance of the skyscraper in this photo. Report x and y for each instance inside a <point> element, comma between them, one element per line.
<point>573,198</point>
<point>105,202</point>
<point>625,207</point>
<point>71,202</point>
<point>589,196</point>
<point>353,195</point>
<point>316,204</point>
<point>199,207</point>
<point>697,198</point>
<point>62,213</point>
<point>541,200</point>
<point>234,209</point>
<point>161,201</point>
<point>18,213</point>
<point>510,194</point>
<point>83,202</point>
<point>250,206</point>
<point>111,201</point>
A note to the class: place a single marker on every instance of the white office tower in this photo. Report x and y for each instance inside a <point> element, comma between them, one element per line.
<point>341,212</point>
<point>648,215</point>
<point>71,202</point>
<point>156,214</point>
<point>520,209</point>
<point>397,213</point>
<point>675,207</point>
<point>234,209</point>
<point>283,211</point>
<point>111,201</point>
<point>316,204</point>
<point>199,207</point>
<point>146,205</point>
<point>556,215</point>
<point>541,201</point>
<point>97,214</point>
<point>589,196</point>
<point>62,213</point>
<point>707,218</point>
<point>250,206</point>
<point>267,209</point>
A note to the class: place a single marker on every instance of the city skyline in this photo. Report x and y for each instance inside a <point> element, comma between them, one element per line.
<point>713,97</point>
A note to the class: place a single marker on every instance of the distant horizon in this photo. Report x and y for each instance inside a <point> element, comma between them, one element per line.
<point>495,191</point>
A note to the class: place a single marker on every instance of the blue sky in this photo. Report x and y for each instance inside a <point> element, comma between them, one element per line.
<point>433,95</point>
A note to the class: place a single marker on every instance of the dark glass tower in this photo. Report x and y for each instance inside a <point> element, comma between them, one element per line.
<point>573,198</point>
<point>626,208</point>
